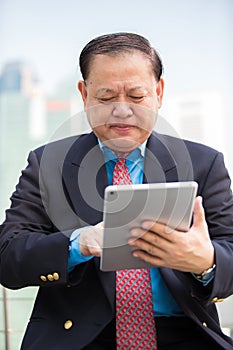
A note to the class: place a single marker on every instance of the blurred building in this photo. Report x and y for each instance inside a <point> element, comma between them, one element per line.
<point>198,117</point>
<point>28,119</point>
<point>17,77</point>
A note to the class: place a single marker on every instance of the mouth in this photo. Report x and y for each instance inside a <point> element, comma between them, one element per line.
<point>121,127</point>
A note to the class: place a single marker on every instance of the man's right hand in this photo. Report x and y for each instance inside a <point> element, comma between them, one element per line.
<point>90,240</point>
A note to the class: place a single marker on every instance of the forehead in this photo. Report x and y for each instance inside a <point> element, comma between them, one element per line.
<point>131,67</point>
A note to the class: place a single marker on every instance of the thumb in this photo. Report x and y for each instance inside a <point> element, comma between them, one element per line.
<point>198,212</point>
<point>100,225</point>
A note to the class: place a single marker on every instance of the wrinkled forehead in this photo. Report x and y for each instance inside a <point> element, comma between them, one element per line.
<point>126,59</point>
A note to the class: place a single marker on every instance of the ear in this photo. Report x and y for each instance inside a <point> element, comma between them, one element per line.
<point>159,91</point>
<point>83,91</point>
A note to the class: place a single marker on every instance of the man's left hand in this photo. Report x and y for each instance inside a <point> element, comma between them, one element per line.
<point>160,245</point>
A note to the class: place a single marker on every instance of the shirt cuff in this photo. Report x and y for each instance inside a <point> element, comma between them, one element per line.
<point>75,255</point>
<point>205,280</point>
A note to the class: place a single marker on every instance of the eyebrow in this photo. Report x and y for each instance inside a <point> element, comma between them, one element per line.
<point>108,90</point>
<point>104,90</point>
<point>139,87</point>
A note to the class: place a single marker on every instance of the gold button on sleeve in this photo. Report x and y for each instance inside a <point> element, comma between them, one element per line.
<point>50,277</point>
<point>217,300</point>
<point>56,276</point>
<point>43,278</point>
<point>68,324</point>
<point>204,324</point>
<point>214,300</point>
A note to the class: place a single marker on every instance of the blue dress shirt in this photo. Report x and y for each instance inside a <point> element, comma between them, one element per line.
<point>164,303</point>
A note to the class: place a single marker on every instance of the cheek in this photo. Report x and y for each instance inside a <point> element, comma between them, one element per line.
<point>98,115</point>
<point>146,117</point>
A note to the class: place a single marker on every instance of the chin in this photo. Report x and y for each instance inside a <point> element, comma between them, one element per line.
<point>122,144</point>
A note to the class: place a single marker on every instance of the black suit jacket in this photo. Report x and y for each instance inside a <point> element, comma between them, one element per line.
<point>62,189</point>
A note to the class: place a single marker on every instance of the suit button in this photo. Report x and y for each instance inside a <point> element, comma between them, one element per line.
<point>56,276</point>
<point>43,278</point>
<point>204,324</point>
<point>214,300</point>
<point>217,300</point>
<point>68,324</point>
<point>50,277</point>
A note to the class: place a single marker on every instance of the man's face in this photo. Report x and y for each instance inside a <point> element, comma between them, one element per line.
<point>121,98</point>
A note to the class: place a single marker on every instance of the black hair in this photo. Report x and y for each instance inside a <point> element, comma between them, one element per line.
<point>119,43</point>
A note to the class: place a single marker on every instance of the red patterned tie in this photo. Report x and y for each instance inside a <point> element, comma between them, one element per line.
<point>135,326</point>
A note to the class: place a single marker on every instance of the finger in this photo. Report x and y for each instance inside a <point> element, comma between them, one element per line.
<point>94,247</point>
<point>161,229</point>
<point>95,250</point>
<point>137,232</point>
<point>153,260</point>
<point>151,243</point>
<point>198,212</point>
<point>140,235</point>
<point>100,225</point>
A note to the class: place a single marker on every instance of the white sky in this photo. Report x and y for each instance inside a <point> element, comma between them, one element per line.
<point>194,37</point>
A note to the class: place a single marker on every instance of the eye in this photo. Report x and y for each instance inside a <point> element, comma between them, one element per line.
<point>105,99</point>
<point>137,98</point>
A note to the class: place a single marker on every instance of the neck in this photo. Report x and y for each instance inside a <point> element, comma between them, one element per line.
<point>121,155</point>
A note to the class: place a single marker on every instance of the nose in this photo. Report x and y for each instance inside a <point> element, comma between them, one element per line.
<point>122,110</point>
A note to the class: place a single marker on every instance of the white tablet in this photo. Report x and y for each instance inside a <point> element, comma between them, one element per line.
<point>126,206</point>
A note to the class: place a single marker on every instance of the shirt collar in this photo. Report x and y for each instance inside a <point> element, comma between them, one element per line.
<point>110,155</point>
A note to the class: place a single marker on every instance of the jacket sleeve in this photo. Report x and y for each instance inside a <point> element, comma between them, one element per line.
<point>32,250</point>
<point>218,204</point>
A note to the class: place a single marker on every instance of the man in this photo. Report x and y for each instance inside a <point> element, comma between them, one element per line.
<point>52,236</point>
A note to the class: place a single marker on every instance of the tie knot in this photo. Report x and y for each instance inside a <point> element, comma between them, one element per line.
<point>121,161</point>
<point>122,155</point>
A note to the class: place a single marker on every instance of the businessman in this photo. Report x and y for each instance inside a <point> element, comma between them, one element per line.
<point>52,235</point>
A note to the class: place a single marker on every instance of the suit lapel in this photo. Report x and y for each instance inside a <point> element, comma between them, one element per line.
<point>159,164</point>
<point>85,178</point>
<point>167,160</point>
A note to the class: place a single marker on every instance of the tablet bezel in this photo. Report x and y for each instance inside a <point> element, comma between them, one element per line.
<point>125,206</point>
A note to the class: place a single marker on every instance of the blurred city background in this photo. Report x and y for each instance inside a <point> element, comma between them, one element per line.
<point>40,45</point>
